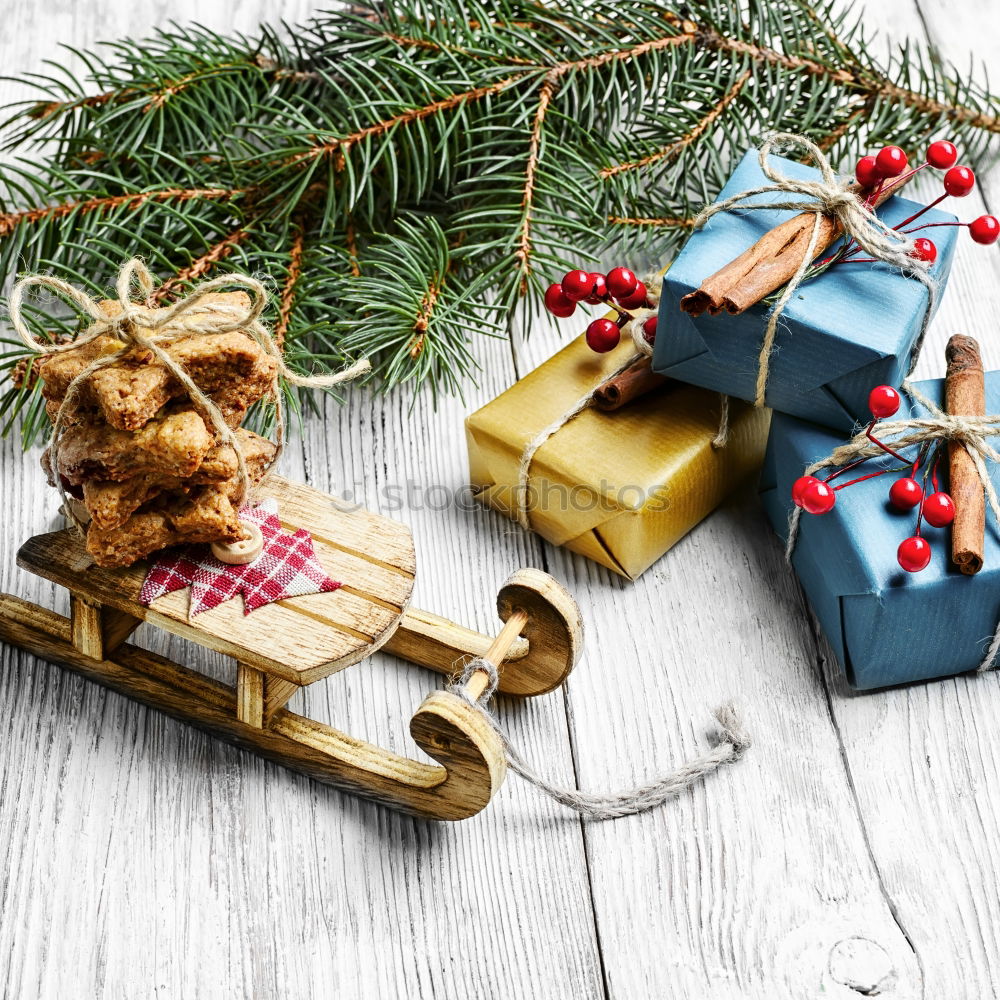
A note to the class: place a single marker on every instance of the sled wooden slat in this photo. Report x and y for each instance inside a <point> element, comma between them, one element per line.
<point>300,639</point>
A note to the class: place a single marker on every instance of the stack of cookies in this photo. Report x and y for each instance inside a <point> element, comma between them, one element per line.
<point>149,468</point>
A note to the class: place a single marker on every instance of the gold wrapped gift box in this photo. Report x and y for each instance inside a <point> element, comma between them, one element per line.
<point>620,488</point>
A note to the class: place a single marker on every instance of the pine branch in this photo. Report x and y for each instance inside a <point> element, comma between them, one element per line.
<point>667,222</point>
<point>525,249</point>
<point>408,173</point>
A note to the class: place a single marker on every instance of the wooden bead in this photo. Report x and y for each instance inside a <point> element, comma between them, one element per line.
<point>242,552</point>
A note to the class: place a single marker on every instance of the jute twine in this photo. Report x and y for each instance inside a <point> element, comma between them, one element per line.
<point>971,432</point>
<point>643,348</point>
<point>832,197</point>
<point>734,741</point>
<point>153,330</point>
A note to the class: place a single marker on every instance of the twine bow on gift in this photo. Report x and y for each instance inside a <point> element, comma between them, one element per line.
<point>154,329</point>
<point>825,197</point>
<point>971,432</point>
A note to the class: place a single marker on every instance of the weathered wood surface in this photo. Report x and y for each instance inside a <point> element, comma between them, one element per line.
<point>853,851</point>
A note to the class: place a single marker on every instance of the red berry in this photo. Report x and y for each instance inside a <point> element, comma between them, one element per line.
<point>866,173</point>
<point>577,285</point>
<point>890,162</point>
<point>798,488</point>
<point>939,509</point>
<point>621,282</point>
<point>603,335</point>
<point>557,303</point>
<point>906,493</point>
<point>649,329</point>
<point>959,181</point>
<point>985,229</point>
<point>914,554</point>
<point>637,300</point>
<point>883,401</point>
<point>599,289</point>
<point>942,154</point>
<point>924,249</point>
<point>818,498</point>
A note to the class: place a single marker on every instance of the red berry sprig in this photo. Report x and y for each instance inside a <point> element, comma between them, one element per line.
<point>621,282</point>
<point>577,285</point>
<point>599,290</point>
<point>883,401</point>
<point>867,172</point>
<point>619,288</point>
<point>914,554</point>
<point>649,330</point>
<point>889,164</point>
<point>817,496</point>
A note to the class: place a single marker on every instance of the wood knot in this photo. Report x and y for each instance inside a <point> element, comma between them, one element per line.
<point>863,966</point>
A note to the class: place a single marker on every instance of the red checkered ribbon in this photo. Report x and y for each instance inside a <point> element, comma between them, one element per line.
<point>286,567</point>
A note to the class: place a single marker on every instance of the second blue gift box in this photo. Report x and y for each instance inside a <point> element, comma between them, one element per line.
<point>886,626</point>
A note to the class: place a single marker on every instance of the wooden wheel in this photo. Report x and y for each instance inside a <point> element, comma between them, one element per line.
<point>552,626</point>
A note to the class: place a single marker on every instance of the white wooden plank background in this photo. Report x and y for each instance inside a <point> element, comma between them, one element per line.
<point>854,851</point>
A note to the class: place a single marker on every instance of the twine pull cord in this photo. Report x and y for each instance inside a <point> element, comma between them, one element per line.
<point>135,325</point>
<point>733,743</point>
<point>831,197</point>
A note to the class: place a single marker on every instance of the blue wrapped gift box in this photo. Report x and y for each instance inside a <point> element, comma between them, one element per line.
<point>886,626</point>
<point>846,330</point>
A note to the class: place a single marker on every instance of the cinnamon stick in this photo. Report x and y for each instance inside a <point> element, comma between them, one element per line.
<point>638,379</point>
<point>770,263</point>
<point>965,395</point>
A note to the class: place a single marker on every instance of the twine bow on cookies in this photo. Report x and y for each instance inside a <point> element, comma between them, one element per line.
<point>153,329</point>
<point>825,197</point>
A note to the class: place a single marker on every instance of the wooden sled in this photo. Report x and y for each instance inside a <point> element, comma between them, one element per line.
<point>298,641</point>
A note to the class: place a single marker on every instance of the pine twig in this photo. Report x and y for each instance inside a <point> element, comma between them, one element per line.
<point>11,220</point>
<point>287,300</point>
<point>524,249</point>
<point>343,144</point>
<point>351,241</point>
<point>671,152</point>
<point>849,80</point>
<point>546,92</point>
<point>667,222</point>
<point>202,265</point>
